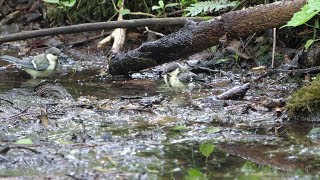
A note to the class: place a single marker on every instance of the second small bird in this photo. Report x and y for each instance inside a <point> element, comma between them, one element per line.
<point>178,77</point>
<point>42,65</point>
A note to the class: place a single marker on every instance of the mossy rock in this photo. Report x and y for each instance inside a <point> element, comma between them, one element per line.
<point>305,102</point>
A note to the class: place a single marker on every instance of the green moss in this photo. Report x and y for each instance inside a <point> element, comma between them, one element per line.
<point>306,100</point>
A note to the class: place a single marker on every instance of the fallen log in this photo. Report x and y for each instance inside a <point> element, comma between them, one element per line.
<point>197,36</point>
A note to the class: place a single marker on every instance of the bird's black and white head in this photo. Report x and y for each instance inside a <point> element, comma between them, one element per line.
<point>54,51</point>
<point>169,68</point>
<point>52,55</point>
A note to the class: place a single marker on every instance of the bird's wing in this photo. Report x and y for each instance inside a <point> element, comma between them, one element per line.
<point>39,62</point>
<point>17,61</point>
<point>189,77</point>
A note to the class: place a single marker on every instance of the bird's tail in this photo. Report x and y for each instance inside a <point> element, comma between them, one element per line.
<point>10,59</point>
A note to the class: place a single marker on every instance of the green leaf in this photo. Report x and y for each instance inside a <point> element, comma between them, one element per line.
<point>213,130</point>
<point>24,141</point>
<point>161,3</point>
<point>180,128</point>
<point>314,4</point>
<point>155,7</point>
<point>301,17</point>
<point>200,7</point>
<point>206,149</point>
<point>125,11</point>
<point>119,3</point>
<point>171,5</point>
<point>308,44</point>
<point>194,173</point>
<point>51,1</point>
<point>69,3</point>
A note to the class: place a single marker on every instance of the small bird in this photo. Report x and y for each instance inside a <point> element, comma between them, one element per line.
<point>178,77</point>
<point>42,65</point>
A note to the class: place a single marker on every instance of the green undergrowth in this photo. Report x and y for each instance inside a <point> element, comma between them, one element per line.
<point>306,100</point>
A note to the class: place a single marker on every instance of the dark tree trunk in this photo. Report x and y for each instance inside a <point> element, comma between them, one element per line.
<point>195,37</point>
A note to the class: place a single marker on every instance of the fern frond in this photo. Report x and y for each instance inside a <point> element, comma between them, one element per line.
<point>206,6</point>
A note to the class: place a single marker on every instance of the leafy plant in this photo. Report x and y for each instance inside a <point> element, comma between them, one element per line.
<point>309,43</point>
<point>194,174</point>
<point>185,3</point>
<point>63,10</point>
<point>161,7</point>
<point>307,12</point>
<point>202,7</point>
<point>206,149</point>
<point>62,3</point>
<point>125,11</point>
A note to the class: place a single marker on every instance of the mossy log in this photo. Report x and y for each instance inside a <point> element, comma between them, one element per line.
<point>197,36</point>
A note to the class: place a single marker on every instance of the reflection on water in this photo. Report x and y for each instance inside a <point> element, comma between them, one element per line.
<point>112,89</point>
<point>98,87</point>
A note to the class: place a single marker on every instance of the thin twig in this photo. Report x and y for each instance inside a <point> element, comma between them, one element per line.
<point>143,14</point>
<point>96,27</point>
<point>153,32</point>
<point>274,46</point>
